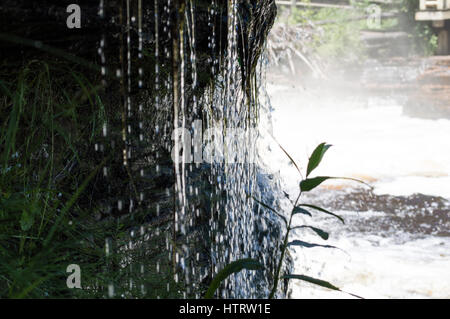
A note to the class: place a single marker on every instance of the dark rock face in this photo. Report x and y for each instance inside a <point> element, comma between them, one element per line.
<point>46,21</point>
<point>257,18</point>
<point>29,27</point>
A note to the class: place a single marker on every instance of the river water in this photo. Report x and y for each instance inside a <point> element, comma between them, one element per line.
<point>396,240</point>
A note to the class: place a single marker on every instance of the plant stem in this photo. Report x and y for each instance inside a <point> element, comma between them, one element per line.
<point>283,250</point>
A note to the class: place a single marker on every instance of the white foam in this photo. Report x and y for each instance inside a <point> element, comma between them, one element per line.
<point>405,186</point>
<point>416,269</point>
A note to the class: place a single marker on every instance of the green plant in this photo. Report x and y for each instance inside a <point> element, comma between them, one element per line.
<point>52,116</point>
<point>43,123</point>
<point>307,184</point>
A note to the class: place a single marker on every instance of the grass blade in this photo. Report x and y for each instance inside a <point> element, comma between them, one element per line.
<point>323,211</point>
<point>323,234</point>
<point>309,245</point>
<point>319,282</point>
<point>72,201</point>
<point>230,269</point>
<point>299,210</point>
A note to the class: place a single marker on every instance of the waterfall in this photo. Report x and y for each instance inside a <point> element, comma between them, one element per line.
<point>186,134</point>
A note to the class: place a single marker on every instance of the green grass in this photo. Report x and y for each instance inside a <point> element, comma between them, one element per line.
<point>39,134</point>
<point>51,115</point>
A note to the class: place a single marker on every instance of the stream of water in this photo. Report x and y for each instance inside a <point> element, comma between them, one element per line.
<point>212,221</point>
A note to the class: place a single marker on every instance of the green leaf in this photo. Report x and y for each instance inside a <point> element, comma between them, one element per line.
<point>319,282</point>
<point>26,220</point>
<point>312,280</point>
<point>316,157</point>
<point>299,210</point>
<point>324,235</point>
<point>323,211</point>
<point>310,183</point>
<point>309,245</point>
<point>230,269</point>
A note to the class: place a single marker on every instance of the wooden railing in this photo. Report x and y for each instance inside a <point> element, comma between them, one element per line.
<point>300,3</point>
<point>295,3</point>
<point>434,5</point>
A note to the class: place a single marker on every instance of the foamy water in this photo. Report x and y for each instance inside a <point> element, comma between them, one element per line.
<point>377,144</point>
<point>377,268</point>
<point>399,156</point>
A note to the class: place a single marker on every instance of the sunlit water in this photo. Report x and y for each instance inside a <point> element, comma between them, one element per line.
<point>396,238</point>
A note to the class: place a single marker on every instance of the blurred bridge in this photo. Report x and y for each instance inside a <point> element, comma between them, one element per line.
<point>438,12</point>
<point>299,3</point>
<point>338,4</point>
